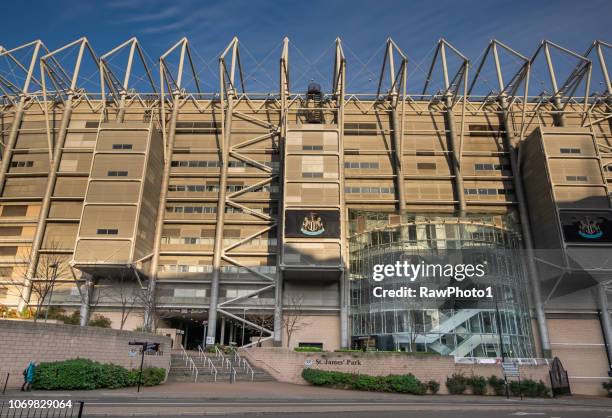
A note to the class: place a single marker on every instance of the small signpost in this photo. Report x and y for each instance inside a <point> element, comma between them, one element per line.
<point>148,347</point>
<point>511,369</point>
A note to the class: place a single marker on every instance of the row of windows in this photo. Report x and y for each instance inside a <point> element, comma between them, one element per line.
<point>107,231</point>
<point>576,178</point>
<point>570,150</point>
<point>369,190</point>
<point>489,167</point>
<point>489,192</point>
<point>217,164</point>
<point>312,175</point>
<point>215,188</point>
<point>213,209</point>
<point>362,165</point>
<point>115,173</point>
<point>312,147</point>
<point>122,146</point>
<point>22,164</point>
<point>188,268</point>
<point>210,241</point>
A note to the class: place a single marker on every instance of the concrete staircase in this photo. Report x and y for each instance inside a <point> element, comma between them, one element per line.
<point>180,370</point>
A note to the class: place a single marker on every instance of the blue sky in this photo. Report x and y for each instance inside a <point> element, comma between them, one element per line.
<point>312,27</point>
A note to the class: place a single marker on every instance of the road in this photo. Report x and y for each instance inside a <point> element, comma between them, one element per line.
<point>277,400</point>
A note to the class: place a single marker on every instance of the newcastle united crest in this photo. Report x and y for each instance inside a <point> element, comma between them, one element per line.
<point>312,225</point>
<point>589,228</point>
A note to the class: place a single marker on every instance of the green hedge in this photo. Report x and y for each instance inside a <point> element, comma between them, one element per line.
<point>308,349</point>
<point>83,374</point>
<point>391,383</point>
<point>529,388</point>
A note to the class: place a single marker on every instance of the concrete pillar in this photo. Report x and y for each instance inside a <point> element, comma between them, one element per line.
<point>606,321</point>
<point>222,337</point>
<point>86,293</point>
<point>449,118</point>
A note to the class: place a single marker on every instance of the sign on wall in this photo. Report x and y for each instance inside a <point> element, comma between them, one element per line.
<point>587,227</point>
<point>312,224</point>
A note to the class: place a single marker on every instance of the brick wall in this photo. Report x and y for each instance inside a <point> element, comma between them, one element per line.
<point>23,341</point>
<point>286,365</point>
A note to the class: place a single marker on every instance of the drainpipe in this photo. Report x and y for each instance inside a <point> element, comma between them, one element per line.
<point>606,323</point>
<point>525,229</point>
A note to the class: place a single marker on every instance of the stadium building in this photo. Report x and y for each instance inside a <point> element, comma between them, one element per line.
<point>240,217</point>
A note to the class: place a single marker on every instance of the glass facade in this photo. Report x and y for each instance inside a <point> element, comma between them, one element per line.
<point>463,327</point>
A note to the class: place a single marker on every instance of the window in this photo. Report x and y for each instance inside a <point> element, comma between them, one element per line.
<point>491,167</point>
<point>489,192</point>
<point>359,129</point>
<point>577,178</point>
<point>312,147</point>
<point>426,166</point>
<point>312,175</point>
<point>21,164</point>
<point>15,210</point>
<point>107,231</point>
<point>114,173</point>
<point>370,190</point>
<point>236,164</point>
<point>570,150</point>
<point>122,146</point>
<point>196,164</point>
<point>362,165</point>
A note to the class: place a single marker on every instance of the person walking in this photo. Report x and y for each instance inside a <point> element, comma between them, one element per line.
<point>28,377</point>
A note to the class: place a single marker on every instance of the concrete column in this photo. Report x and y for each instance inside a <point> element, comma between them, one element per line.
<point>222,337</point>
<point>12,140</point>
<point>86,293</point>
<point>397,162</point>
<point>46,204</point>
<point>161,211</point>
<point>533,277</point>
<point>606,321</point>
<point>278,305</point>
<point>218,246</point>
<point>449,118</point>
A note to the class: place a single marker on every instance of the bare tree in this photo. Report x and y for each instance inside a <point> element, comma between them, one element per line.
<point>293,316</point>
<point>124,292</point>
<point>51,267</point>
<point>262,318</point>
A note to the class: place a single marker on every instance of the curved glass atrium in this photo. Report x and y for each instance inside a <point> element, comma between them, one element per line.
<point>468,327</point>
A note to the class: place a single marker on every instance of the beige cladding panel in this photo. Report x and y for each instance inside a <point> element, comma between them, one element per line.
<point>121,218</point>
<point>426,165</point>
<point>113,191</point>
<point>564,171</point>
<point>65,210</point>
<point>75,162</point>
<point>554,144</point>
<point>32,141</point>
<point>109,140</point>
<point>581,197</point>
<point>80,140</point>
<point>323,166</point>
<point>70,186</point>
<point>106,163</point>
<point>312,194</point>
<point>429,190</point>
<point>29,163</point>
<point>24,187</point>
<point>60,236</point>
<point>312,253</point>
<point>201,141</point>
<point>102,251</point>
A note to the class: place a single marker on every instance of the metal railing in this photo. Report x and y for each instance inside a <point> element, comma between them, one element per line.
<point>48,408</point>
<point>497,360</point>
<point>4,381</point>
<point>193,369</point>
<point>207,362</point>
<point>242,362</point>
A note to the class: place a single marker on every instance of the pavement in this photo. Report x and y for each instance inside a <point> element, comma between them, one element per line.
<point>279,400</point>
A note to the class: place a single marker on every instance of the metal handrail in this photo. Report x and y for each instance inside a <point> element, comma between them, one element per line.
<point>202,354</point>
<point>212,368</point>
<point>192,368</point>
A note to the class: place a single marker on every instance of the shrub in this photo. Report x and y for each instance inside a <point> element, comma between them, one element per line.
<point>348,350</point>
<point>433,386</point>
<point>608,386</point>
<point>498,384</point>
<point>456,384</point>
<point>308,349</point>
<point>84,374</point>
<point>529,388</point>
<point>478,385</point>
<point>392,383</point>
<point>406,383</point>
<point>100,321</point>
